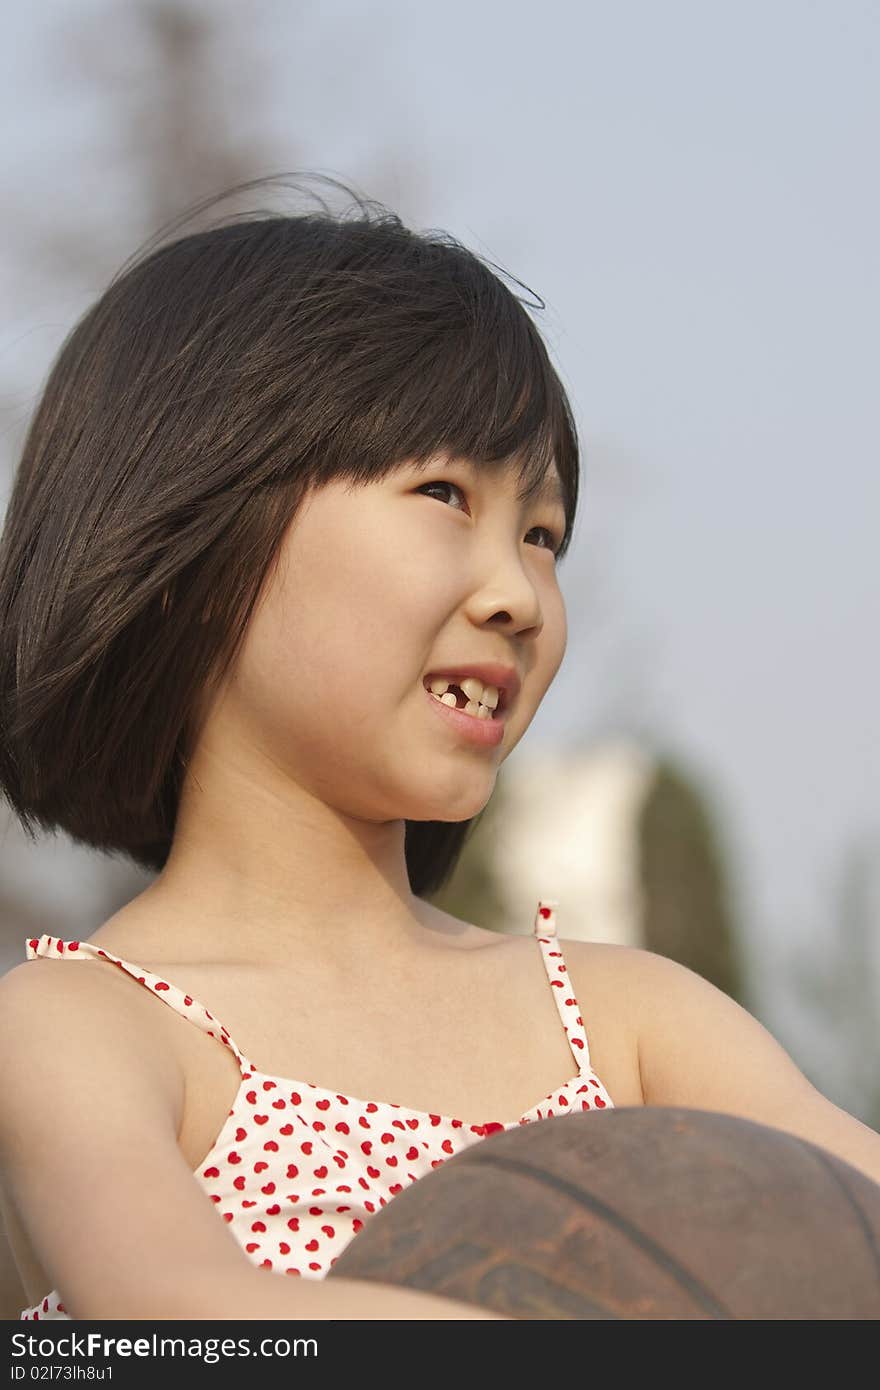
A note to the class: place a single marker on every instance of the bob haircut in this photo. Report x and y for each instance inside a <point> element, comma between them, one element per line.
<point>216,381</point>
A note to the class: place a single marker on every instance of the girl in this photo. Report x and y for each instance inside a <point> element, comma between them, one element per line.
<point>279,593</point>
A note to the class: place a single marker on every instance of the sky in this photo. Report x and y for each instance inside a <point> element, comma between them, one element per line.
<point>692,190</point>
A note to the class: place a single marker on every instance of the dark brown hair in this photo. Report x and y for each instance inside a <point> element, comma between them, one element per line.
<point>215,381</point>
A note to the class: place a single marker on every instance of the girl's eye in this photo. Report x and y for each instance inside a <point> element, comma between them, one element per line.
<point>555,541</point>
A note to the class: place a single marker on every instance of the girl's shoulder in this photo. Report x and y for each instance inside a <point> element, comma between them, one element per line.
<point>70,1034</point>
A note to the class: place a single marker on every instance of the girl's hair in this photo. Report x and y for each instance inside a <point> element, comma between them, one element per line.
<point>216,381</point>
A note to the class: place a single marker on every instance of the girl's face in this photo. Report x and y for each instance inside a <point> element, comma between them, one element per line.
<point>378,585</point>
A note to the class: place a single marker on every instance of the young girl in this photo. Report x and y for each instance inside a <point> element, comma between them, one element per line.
<point>280,592</point>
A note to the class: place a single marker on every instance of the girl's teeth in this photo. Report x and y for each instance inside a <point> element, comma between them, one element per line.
<point>470,687</point>
<point>472,707</point>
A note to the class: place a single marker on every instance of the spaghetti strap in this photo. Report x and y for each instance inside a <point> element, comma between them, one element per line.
<point>55,948</point>
<point>562,989</point>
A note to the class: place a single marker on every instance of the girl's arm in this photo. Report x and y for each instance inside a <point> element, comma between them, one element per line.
<point>89,1161</point>
<point>698,1048</point>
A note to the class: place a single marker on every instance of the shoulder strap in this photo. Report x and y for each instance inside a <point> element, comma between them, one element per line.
<point>53,947</point>
<point>561,988</point>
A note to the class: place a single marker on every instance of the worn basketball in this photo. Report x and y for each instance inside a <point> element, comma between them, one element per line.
<point>639,1212</point>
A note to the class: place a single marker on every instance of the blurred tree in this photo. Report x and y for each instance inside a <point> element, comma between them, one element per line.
<point>686,911</point>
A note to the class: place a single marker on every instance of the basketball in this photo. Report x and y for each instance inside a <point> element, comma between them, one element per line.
<point>640,1212</point>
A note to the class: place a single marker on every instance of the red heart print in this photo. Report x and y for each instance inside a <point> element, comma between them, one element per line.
<point>286,1129</point>
<point>295,1098</point>
<point>391,1160</point>
<point>283,1247</point>
<point>239,1183</point>
<point>412,1153</point>
<point>312,1245</point>
<point>357,1223</point>
<point>268,1189</point>
<point>271,1146</point>
<point>211,1173</point>
<point>342,1127</point>
<point>233,1158</point>
<point>306,1146</point>
<point>323,1104</point>
<point>292,1170</point>
<point>367,1146</point>
<point>395,1188</point>
<point>413,1124</point>
<point>227,1216</point>
<point>161,985</point>
<point>320,1172</point>
<point>258,1226</point>
<point>328,1231</point>
<point>293,1223</point>
<point>187,999</point>
<point>387,1138</point>
<point>248,1204</point>
<point>251,1246</point>
<point>261,1119</point>
<point>251,1097</point>
<point>273,1210</point>
<point>240,1135</point>
<point>372,1108</point>
<point>446,1146</point>
<point>268,1085</point>
<point>261,1166</point>
<point>279,1104</point>
<point>373,1172</point>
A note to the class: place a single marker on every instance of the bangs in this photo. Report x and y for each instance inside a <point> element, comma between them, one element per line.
<point>449,362</point>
